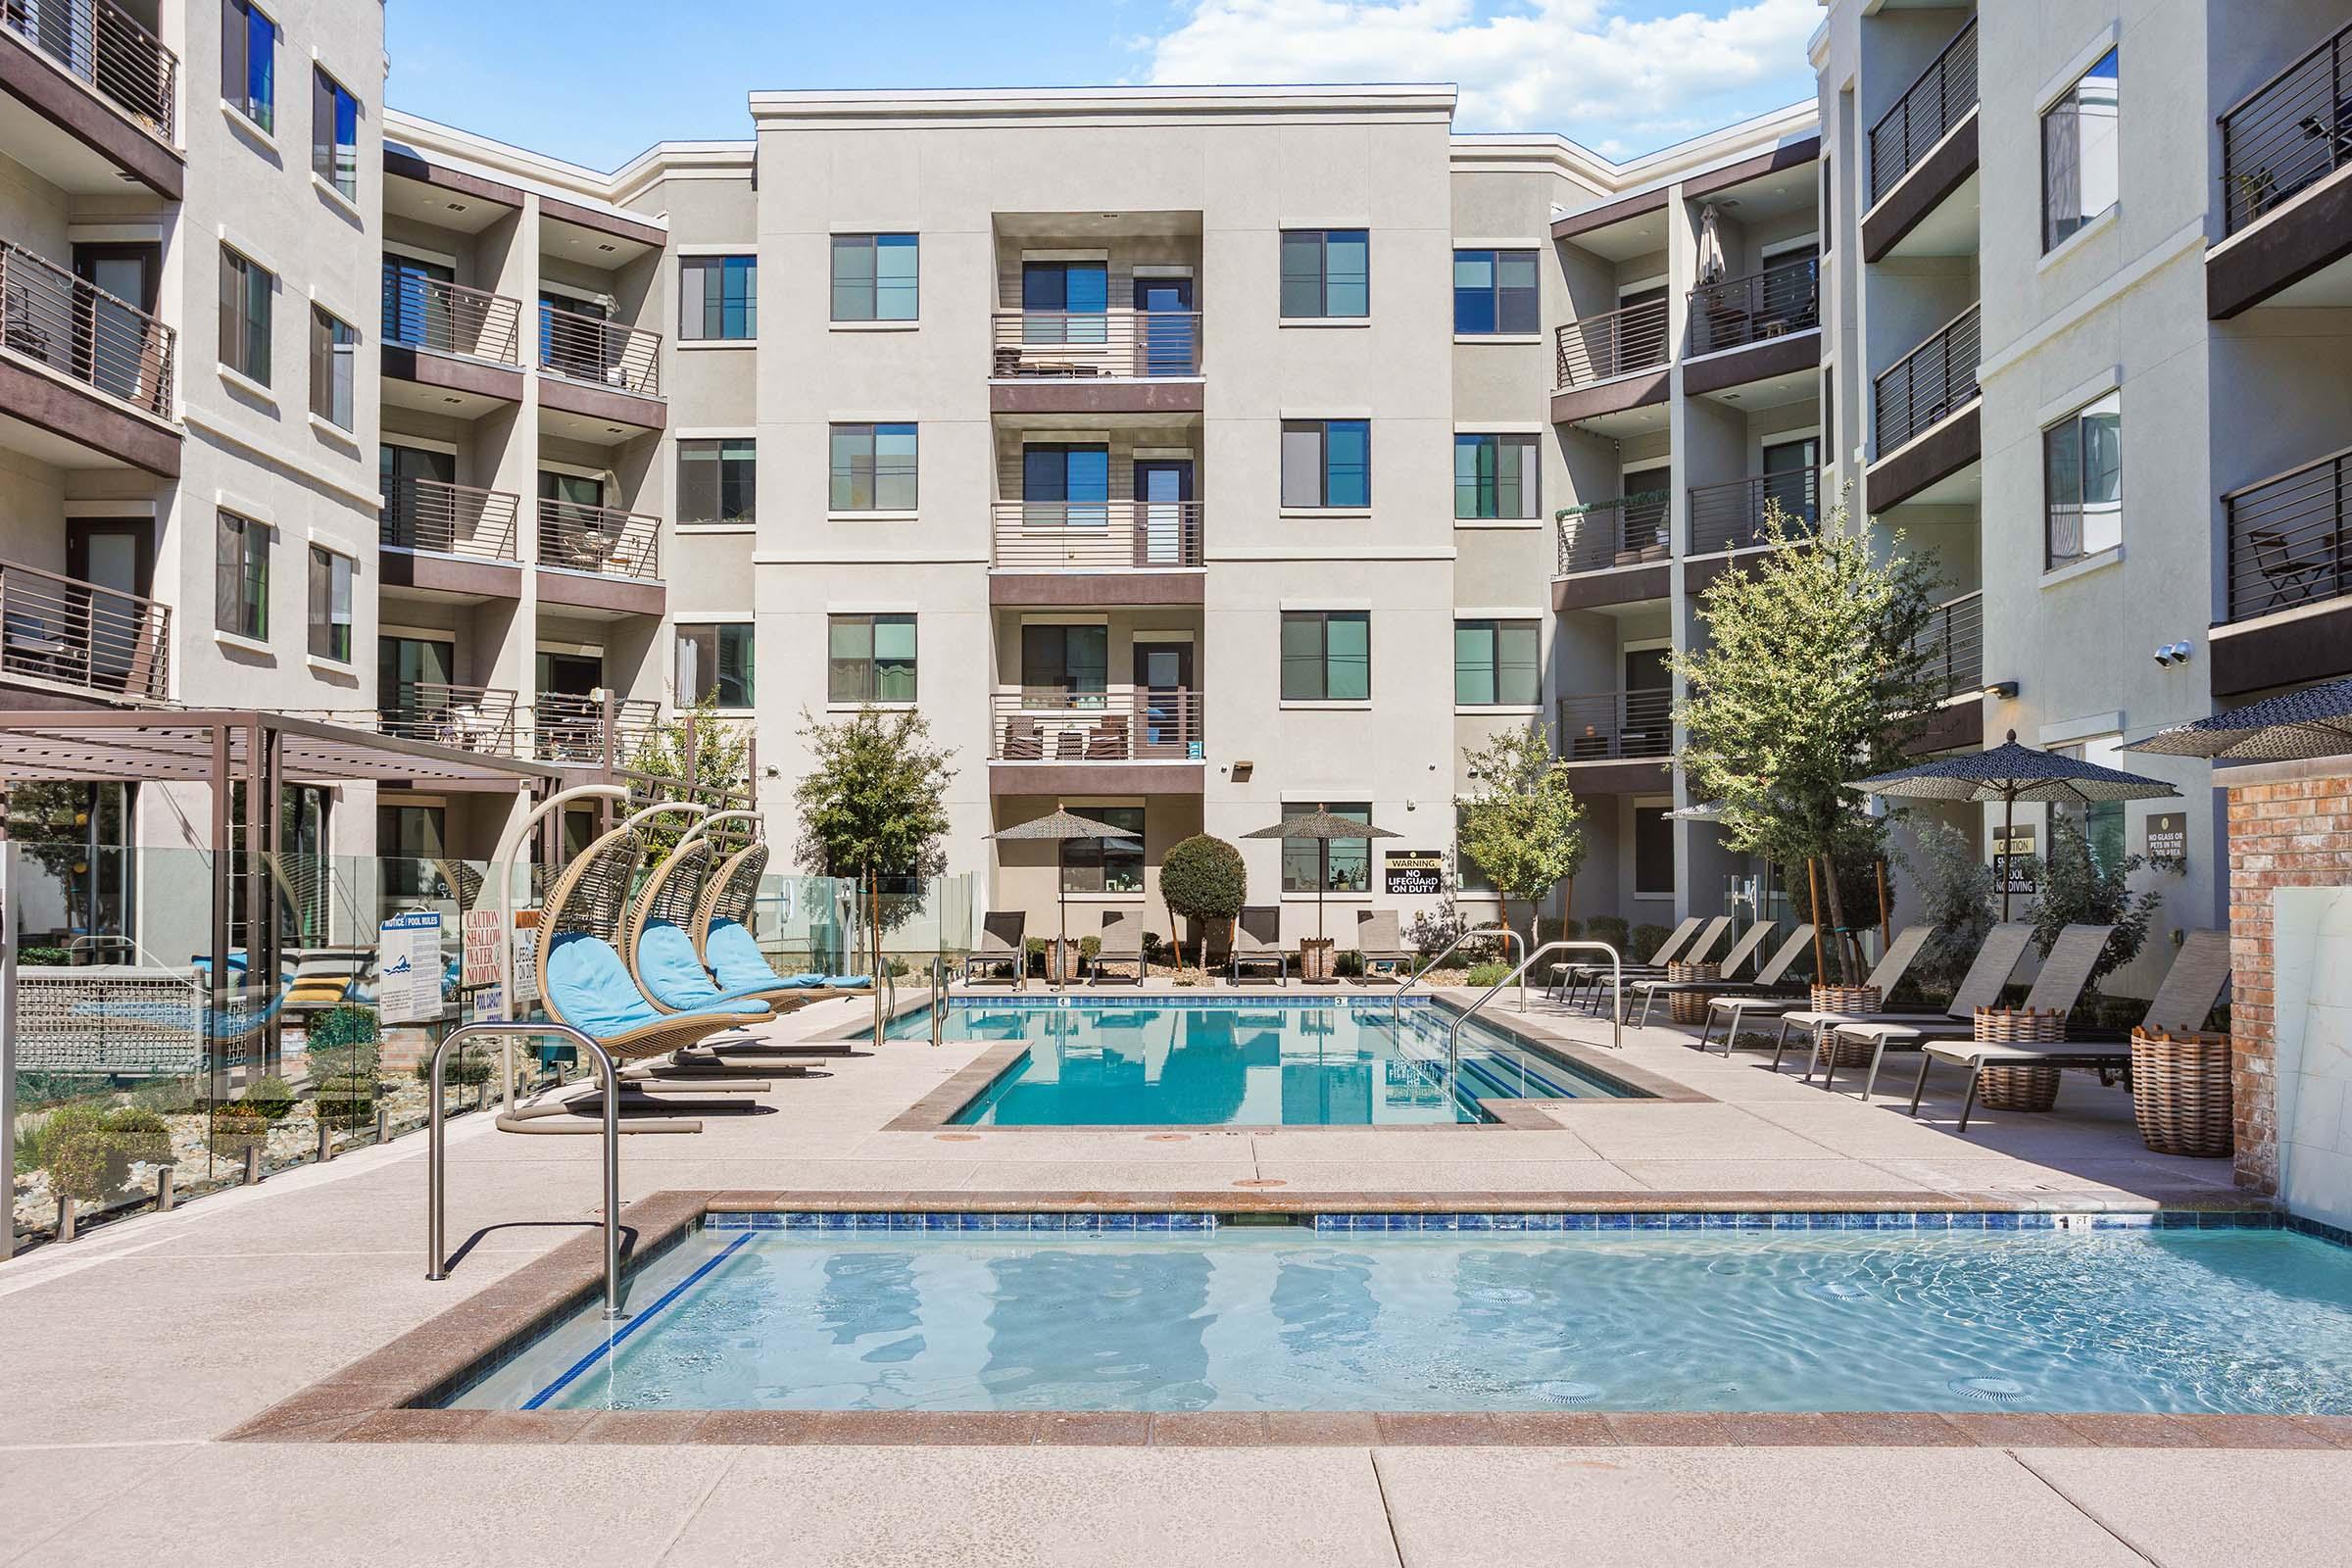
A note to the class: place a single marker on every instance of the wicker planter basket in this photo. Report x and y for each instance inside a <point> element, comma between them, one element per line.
<point>1315,958</point>
<point>1689,1007</point>
<point>2019,1088</point>
<point>2181,1092</point>
<point>1857,1001</point>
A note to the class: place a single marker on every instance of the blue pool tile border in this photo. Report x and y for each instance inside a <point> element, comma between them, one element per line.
<point>1175,999</point>
<point>1084,1222</point>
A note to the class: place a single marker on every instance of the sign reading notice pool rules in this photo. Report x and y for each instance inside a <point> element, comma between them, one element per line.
<point>1416,871</point>
<point>408,988</point>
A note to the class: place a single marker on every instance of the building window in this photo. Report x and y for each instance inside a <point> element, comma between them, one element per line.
<point>873,467</point>
<point>716,482</point>
<point>1107,865</point>
<point>874,278</point>
<point>1326,462</point>
<point>1348,863</point>
<point>334,134</point>
<point>1654,852</point>
<point>870,658</point>
<point>1065,302</point>
<point>330,604</point>
<point>411,839</point>
<point>332,348</point>
<point>714,665</point>
<point>246,288</point>
<point>1496,476</point>
<point>1494,291</point>
<point>1068,667</point>
<point>241,577</point>
<point>718,297</point>
<point>1065,485</point>
<point>2079,168</point>
<point>1497,663</point>
<point>249,62</point>
<point>2083,479</point>
<point>1326,272</point>
<point>1326,656</point>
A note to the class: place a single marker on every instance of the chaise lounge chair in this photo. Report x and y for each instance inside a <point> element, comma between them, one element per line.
<point>1766,979</point>
<point>1763,998</point>
<point>1378,941</point>
<point>1002,944</point>
<point>1728,971</point>
<point>2055,989</point>
<point>1565,974</point>
<point>1592,980</point>
<point>1258,941</point>
<point>1121,944</point>
<point>1981,987</point>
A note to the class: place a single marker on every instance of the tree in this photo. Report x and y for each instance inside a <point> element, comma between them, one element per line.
<point>872,804</point>
<point>694,754</point>
<point>2077,889</point>
<point>1201,878</point>
<point>1815,671</point>
<point>1524,826</point>
<point>1958,894</point>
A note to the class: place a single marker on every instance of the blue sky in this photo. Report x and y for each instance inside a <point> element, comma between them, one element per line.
<point>596,82</point>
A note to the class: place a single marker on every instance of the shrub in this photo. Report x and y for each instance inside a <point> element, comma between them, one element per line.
<point>43,957</point>
<point>1958,893</point>
<point>1089,948</point>
<point>166,1096</point>
<point>469,1067</point>
<point>1648,939</point>
<point>1203,879</point>
<point>141,1135</point>
<point>88,1150</point>
<point>1553,929</point>
<point>1483,975</point>
<point>2078,888</point>
<point>1433,928</point>
<point>1348,963</point>
<point>269,1098</point>
<point>238,1127</point>
<point>1612,929</point>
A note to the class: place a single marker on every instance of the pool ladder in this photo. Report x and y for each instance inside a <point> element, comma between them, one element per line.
<point>1510,936</point>
<point>1453,1035</point>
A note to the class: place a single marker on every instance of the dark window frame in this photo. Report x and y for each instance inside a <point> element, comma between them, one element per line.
<point>1487,478</point>
<point>334,160</point>
<point>1104,858</point>
<point>1507,310</point>
<point>247,332</point>
<point>330,638</point>
<point>866,285</point>
<point>1494,628</point>
<point>713,683</point>
<point>1294,244</point>
<point>242,24</point>
<point>1328,496</point>
<point>719,455</point>
<point>721,301</point>
<point>241,579</point>
<point>843,482</point>
<point>2050,125</point>
<point>1344,855</point>
<point>1322,620</point>
<point>334,367</point>
<point>868,685</point>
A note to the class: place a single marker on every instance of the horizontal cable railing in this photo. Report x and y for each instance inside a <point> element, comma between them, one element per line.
<point>80,634</point>
<point>1606,727</point>
<point>1928,109</point>
<point>1927,383</point>
<point>1121,724</point>
<point>456,519</point>
<point>1066,344</point>
<point>2288,538</point>
<point>1625,532</point>
<point>595,729</point>
<point>1734,311</point>
<point>2289,133</point>
<point>79,331</point>
<point>426,313</point>
<point>1095,535</point>
<point>107,47</point>
<point>598,539</point>
<point>1595,348</point>
<point>1730,517</point>
<point>1954,638</point>
<point>587,348</point>
<point>472,718</point>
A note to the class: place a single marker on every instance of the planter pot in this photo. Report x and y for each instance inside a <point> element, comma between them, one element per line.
<point>1855,1000</point>
<point>1317,958</point>
<point>2022,1088</point>
<point>2181,1092</point>
<point>1689,1007</point>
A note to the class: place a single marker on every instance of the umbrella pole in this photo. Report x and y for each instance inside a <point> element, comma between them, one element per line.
<point>2008,849</point>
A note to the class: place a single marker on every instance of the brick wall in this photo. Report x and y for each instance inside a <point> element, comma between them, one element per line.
<point>2289,827</point>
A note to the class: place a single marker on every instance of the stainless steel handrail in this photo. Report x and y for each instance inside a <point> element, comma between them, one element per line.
<point>1510,936</point>
<point>939,998</point>
<point>436,1259</point>
<point>1453,1036</point>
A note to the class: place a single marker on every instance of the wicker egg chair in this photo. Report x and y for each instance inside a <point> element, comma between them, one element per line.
<point>723,940</point>
<point>663,957</point>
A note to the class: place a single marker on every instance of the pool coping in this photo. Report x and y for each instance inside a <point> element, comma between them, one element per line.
<point>387,1396</point>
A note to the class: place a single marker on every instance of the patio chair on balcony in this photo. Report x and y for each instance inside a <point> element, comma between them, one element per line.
<point>1258,943</point>
<point>34,648</point>
<point>1107,743</point>
<point>2296,570</point>
<point>1070,745</point>
<point>1122,944</point>
<point>1023,741</point>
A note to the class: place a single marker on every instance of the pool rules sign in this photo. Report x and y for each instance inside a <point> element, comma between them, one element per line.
<point>1416,871</point>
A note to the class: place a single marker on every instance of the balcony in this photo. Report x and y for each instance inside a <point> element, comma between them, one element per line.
<point>469,718</point>
<point>474,529</point>
<point>122,123</point>
<point>598,730</point>
<point>1044,740</point>
<point>1124,552</point>
<point>2289,607</point>
<point>605,559</point>
<point>1929,397</point>
<point>1764,325</point>
<point>1923,151</point>
<point>599,371</point>
<point>2285,147</point>
<point>1626,538</point>
<point>1730,517</point>
<point>65,634</point>
<point>463,343</point>
<point>84,336</point>
<point>1079,361</point>
<point>1610,363</point>
<point>1955,637</point>
<point>1631,730</point>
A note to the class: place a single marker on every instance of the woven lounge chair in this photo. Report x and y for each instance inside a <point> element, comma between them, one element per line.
<point>1564,975</point>
<point>1768,976</point>
<point>723,940</point>
<point>1257,942</point>
<point>659,940</point>
<point>1122,942</point>
<point>1770,1000</point>
<point>1378,941</point>
<point>1004,941</point>
<point>1981,987</point>
<point>1592,980</point>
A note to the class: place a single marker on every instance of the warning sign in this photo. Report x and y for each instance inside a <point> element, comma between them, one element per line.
<point>483,930</point>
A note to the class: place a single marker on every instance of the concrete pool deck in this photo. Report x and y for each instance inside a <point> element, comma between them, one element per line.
<point>126,1356</point>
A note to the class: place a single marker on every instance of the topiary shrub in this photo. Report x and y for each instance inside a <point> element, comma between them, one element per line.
<point>1204,880</point>
<point>1613,930</point>
<point>238,1127</point>
<point>344,1057</point>
<point>1648,939</point>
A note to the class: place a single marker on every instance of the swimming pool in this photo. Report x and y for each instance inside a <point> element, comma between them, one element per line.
<point>1084,1317</point>
<point>1262,1062</point>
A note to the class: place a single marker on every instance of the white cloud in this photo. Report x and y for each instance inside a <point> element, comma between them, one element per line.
<point>1620,85</point>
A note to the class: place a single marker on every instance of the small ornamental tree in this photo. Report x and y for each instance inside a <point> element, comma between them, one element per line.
<point>1524,827</point>
<point>1958,894</point>
<point>1817,670</point>
<point>1203,879</point>
<point>692,756</point>
<point>2078,888</point>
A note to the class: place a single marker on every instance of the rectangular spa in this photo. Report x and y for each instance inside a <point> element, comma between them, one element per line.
<point>1262,1062</point>
<point>1615,1312</point>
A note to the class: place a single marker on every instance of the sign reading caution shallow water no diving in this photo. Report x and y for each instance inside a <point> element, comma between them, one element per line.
<point>1416,871</point>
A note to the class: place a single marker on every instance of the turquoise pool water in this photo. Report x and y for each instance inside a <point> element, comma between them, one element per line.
<point>1330,1062</point>
<point>1246,1318</point>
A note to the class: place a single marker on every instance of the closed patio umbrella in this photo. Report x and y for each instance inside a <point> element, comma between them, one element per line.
<point>1063,826</point>
<point>1322,827</point>
<point>2315,722</point>
<point>1711,265</point>
<point>2010,773</point>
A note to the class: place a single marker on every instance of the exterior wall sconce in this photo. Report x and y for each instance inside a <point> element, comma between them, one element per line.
<point>2002,689</point>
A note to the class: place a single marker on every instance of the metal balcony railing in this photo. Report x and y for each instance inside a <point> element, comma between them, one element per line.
<point>2289,133</point>
<point>1595,348</point>
<point>1927,383</point>
<point>426,313</point>
<point>456,519</point>
<point>1066,344</point>
<point>601,730</point>
<point>79,331</point>
<point>1123,724</point>
<point>471,718</point>
<point>600,539</point>
<point>1095,535</point>
<point>587,348</point>
<point>1732,312</point>
<point>1956,638</point>
<point>2290,538</point>
<point>107,47</point>
<point>80,634</point>
<point>1613,726</point>
<point>1625,532</point>
<point>1730,517</point>
<point>1928,109</point>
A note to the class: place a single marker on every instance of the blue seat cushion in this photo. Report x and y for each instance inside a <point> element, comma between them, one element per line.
<point>589,987</point>
<point>735,958</point>
<point>674,977</point>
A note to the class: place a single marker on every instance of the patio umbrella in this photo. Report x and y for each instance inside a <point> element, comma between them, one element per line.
<point>2316,722</point>
<point>2010,773</point>
<point>1064,826</point>
<point>1322,827</point>
<point>1711,264</point>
